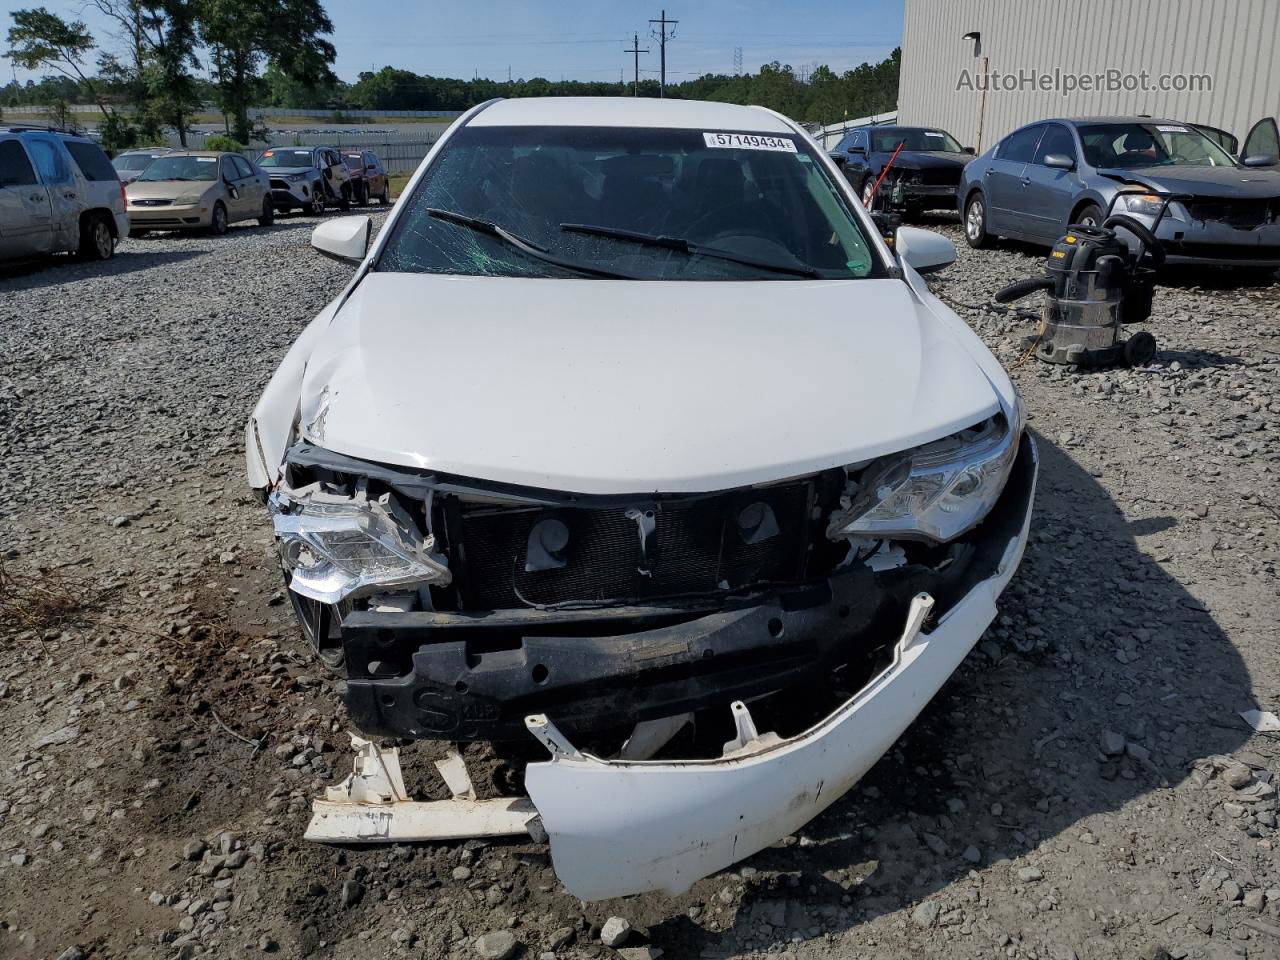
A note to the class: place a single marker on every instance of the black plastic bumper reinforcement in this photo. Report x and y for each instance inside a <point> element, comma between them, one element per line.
<point>476,675</point>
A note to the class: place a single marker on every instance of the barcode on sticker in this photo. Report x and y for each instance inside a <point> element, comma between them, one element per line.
<point>749,141</point>
<point>1171,129</point>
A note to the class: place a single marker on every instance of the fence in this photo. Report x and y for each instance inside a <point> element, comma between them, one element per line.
<point>398,154</point>
<point>832,133</point>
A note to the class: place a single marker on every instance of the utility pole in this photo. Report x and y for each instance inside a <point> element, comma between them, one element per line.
<point>737,61</point>
<point>635,48</point>
<point>662,37</point>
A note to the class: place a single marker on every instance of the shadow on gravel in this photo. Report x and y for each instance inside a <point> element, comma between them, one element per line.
<point>61,268</point>
<point>1093,636</point>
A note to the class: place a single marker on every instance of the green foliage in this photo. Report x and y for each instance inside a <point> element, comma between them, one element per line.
<point>39,38</point>
<point>220,142</point>
<point>116,134</point>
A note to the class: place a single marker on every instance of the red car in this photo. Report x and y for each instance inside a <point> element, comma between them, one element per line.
<point>369,179</point>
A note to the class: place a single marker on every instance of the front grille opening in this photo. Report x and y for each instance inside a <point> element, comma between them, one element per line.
<point>693,547</point>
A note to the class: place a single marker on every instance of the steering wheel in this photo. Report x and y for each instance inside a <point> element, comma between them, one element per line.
<point>734,206</point>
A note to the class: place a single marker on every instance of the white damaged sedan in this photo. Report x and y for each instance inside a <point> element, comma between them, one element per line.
<point>632,442</point>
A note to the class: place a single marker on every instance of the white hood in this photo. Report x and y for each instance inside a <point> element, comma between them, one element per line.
<point>612,387</point>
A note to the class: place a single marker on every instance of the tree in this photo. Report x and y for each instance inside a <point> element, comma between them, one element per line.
<point>39,38</point>
<point>285,34</point>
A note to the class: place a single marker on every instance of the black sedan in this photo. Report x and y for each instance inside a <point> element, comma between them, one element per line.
<point>923,177</point>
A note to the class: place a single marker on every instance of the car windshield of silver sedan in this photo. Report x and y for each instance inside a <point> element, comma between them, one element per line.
<point>286,158</point>
<point>651,204</point>
<point>182,168</point>
<point>1150,145</point>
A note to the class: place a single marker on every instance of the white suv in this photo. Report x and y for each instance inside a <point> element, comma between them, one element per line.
<point>58,192</point>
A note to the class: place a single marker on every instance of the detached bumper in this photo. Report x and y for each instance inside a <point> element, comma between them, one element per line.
<point>618,828</point>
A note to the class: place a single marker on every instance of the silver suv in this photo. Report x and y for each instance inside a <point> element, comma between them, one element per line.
<point>58,192</point>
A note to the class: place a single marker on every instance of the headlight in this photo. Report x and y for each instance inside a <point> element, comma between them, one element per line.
<point>338,546</point>
<point>296,177</point>
<point>936,491</point>
<point>1145,203</point>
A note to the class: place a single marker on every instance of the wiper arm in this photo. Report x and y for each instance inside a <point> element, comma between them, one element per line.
<point>527,247</point>
<point>688,247</point>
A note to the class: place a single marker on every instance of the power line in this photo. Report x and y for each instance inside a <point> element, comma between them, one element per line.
<point>635,48</point>
<point>662,37</point>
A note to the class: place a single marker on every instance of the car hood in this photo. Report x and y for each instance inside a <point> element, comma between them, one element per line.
<point>932,160</point>
<point>168,189</point>
<point>613,387</point>
<point>1233,182</point>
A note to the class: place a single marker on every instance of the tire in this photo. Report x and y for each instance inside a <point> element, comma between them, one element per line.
<point>975,221</point>
<point>1090,215</point>
<point>865,192</point>
<point>97,241</point>
<point>268,213</point>
<point>1139,349</point>
<point>384,198</point>
<point>913,213</point>
<point>218,222</point>
<point>316,207</point>
<point>362,194</point>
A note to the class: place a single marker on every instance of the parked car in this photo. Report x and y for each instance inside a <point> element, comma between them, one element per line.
<point>369,178</point>
<point>307,178</point>
<point>131,163</point>
<point>58,192</point>
<point>630,414</point>
<point>923,177</point>
<point>199,190</point>
<point>1049,174</point>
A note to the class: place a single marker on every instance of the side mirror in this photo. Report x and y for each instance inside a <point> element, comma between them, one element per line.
<point>1059,161</point>
<point>1260,160</point>
<point>923,250</point>
<point>969,150</point>
<point>345,239</point>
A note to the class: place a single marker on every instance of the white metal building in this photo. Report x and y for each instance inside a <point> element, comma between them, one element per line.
<point>1048,46</point>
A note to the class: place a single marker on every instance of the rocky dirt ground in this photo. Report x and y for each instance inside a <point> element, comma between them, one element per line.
<point>1083,787</point>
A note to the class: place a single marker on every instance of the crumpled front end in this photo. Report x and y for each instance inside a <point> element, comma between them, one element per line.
<point>617,630</point>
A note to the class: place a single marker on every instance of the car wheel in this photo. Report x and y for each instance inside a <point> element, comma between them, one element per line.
<point>316,207</point>
<point>385,197</point>
<point>218,221</point>
<point>362,194</point>
<point>1139,349</point>
<point>913,213</point>
<point>975,221</point>
<point>1090,215</point>
<point>868,185</point>
<point>268,214</point>
<point>96,240</point>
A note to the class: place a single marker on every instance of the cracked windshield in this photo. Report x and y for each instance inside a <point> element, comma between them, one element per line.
<point>650,204</point>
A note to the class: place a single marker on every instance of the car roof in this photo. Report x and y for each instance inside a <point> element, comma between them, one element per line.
<point>627,112</point>
<point>1118,119</point>
<point>202,153</point>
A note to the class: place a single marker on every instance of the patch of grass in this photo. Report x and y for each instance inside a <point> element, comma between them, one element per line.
<point>398,182</point>
<point>45,599</point>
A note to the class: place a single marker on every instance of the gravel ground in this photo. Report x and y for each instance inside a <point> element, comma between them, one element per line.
<point>1083,787</point>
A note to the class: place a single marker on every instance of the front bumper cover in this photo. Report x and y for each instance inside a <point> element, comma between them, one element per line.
<point>624,827</point>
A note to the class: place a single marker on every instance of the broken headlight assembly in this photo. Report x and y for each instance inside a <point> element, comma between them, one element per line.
<point>934,492</point>
<point>336,546</point>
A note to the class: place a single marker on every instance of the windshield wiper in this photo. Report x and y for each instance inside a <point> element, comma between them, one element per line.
<point>689,248</point>
<point>527,247</point>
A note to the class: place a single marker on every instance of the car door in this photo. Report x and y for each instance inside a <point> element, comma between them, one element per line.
<point>1263,140</point>
<point>232,187</point>
<point>53,166</point>
<point>374,175</point>
<point>26,221</point>
<point>1004,181</point>
<point>1050,192</point>
<point>252,187</point>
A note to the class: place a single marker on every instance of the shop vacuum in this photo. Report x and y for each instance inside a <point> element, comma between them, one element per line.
<point>1095,285</point>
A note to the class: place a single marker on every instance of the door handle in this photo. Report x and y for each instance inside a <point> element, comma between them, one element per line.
<point>1026,181</point>
<point>70,194</point>
<point>36,197</point>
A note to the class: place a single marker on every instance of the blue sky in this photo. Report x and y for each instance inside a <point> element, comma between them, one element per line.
<point>584,40</point>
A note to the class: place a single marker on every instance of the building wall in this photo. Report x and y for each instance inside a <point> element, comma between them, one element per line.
<point>1237,42</point>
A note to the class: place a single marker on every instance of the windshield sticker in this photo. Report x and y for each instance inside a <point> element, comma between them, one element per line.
<point>1170,129</point>
<point>206,159</point>
<point>933,133</point>
<point>749,141</point>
